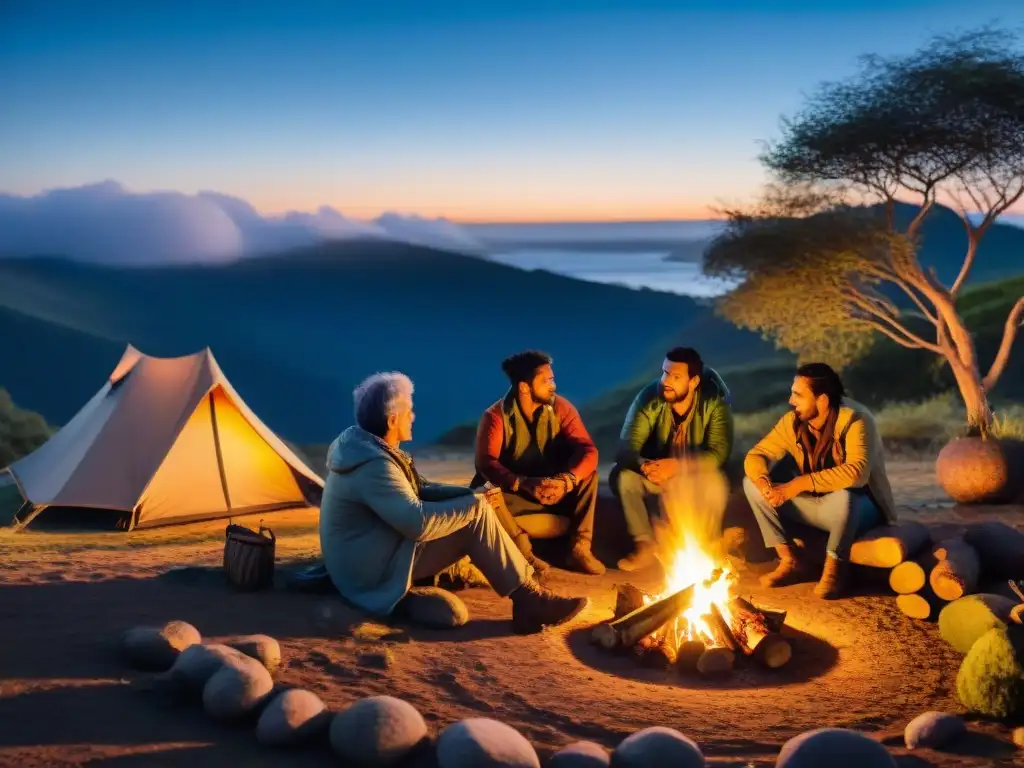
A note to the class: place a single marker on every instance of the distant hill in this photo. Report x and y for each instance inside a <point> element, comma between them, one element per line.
<point>296,332</point>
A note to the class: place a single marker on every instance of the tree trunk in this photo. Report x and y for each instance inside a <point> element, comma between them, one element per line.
<point>968,379</point>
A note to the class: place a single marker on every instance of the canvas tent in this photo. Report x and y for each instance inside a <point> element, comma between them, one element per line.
<point>165,440</point>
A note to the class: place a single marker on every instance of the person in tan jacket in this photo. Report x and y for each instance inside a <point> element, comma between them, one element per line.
<point>840,484</point>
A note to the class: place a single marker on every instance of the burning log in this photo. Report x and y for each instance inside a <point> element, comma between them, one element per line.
<point>624,632</point>
<point>716,660</point>
<point>720,630</point>
<point>756,638</point>
<point>774,618</point>
<point>688,655</point>
<point>655,652</point>
<point>627,599</point>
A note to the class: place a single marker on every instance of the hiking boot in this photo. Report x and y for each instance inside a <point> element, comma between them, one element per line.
<point>642,557</point>
<point>834,579</point>
<point>525,546</point>
<point>788,571</point>
<point>582,559</point>
<point>534,607</point>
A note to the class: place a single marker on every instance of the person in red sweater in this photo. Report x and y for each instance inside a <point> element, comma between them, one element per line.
<point>533,445</point>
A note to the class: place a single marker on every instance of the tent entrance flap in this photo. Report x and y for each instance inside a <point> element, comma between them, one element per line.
<point>220,454</point>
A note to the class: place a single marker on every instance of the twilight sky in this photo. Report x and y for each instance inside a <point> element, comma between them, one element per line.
<point>482,110</point>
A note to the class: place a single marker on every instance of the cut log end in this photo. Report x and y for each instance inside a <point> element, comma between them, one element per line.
<point>717,660</point>
<point>604,636</point>
<point>688,655</point>
<point>774,651</point>
<point>921,605</point>
<point>957,571</point>
<point>909,577</point>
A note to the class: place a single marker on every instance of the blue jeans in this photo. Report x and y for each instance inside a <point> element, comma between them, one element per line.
<point>845,515</point>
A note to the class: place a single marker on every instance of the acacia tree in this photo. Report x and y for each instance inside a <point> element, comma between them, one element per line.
<point>825,259</point>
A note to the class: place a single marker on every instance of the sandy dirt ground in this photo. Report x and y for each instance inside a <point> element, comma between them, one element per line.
<point>67,699</point>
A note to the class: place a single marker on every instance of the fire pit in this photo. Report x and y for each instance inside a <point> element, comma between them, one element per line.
<point>698,623</point>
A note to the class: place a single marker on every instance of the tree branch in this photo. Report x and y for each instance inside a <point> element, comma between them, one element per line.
<point>890,326</point>
<point>1013,323</point>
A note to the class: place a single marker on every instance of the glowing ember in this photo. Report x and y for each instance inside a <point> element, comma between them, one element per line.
<point>690,548</point>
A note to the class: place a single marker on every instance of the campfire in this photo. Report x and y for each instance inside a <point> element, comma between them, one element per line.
<point>698,622</point>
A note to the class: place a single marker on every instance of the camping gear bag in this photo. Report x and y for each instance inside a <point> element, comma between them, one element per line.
<point>249,556</point>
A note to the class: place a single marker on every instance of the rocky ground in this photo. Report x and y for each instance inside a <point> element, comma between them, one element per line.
<point>67,698</point>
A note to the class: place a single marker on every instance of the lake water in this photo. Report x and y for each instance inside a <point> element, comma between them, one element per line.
<point>633,269</point>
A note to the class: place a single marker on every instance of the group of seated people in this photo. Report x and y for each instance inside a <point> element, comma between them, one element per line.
<point>383,526</point>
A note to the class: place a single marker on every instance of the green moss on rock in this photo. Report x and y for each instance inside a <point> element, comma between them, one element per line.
<point>966,619</point>
<point>991,677</point>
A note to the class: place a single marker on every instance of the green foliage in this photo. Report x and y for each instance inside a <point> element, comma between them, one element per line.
<point>21,432</point>
<point>966,619</point>
<point>991,677</point>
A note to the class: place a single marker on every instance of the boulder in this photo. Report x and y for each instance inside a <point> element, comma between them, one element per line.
<point>197,664</point>
<point>265,649</point>
<point>377,730</point>
<point>974,470</point>
<point>657,747</point>
<point>479,742</point>
<point>433,607</point>
<point>1018,737</point>
<point>157,648</point>
<point>582,754</point>
<point>966,619</point>
<point>836,748</point>
<point>239,688</point>
<point>293,717</point>
<point>933,730</point>
<point>991,677</point>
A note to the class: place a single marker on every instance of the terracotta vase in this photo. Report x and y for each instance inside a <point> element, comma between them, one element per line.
<point>975,470</point>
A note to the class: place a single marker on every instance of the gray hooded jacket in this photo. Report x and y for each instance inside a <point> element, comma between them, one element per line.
<point>375,511</point>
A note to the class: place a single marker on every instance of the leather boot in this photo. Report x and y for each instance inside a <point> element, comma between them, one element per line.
<point>534,607</point>
<point>581,558</point>
<point>641,557</point>
<point>788,571</point>
<point>835,578</point>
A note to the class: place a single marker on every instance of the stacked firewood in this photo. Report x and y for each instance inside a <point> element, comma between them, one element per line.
<point>952,564</point>
<point>646,629</point>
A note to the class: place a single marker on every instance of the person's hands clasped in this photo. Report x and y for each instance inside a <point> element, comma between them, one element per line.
<point>659,470</point>
<point>493,496</point>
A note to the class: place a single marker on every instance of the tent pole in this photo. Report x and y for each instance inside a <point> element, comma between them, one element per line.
<point>220,455</point>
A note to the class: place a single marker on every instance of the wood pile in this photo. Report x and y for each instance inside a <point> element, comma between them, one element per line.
<point>752,633</point>
<point>949,565</point>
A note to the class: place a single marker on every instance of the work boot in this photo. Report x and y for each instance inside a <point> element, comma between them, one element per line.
<point>835,578</point>
<point>642,557</point>
<point>582,559</point>
<point>788,571</point>
<point>534,607</point>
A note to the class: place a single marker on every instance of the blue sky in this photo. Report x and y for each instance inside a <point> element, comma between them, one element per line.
<point>485,110</point>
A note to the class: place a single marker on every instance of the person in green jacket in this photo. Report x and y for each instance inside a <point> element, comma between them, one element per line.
<point>687,411</point>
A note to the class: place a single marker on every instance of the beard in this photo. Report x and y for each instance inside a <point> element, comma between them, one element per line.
<point>670,395</point>
<point>549,400</point>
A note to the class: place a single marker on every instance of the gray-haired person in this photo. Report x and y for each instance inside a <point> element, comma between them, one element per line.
<point>382,525</point>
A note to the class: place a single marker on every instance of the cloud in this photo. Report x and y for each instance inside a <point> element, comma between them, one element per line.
<point>107,223</point>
